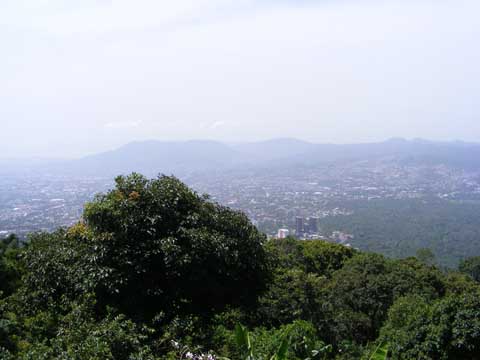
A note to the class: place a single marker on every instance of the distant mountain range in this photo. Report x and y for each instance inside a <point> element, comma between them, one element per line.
<point>153,157</point>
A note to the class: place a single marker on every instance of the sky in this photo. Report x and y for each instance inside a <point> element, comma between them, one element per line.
<point>80,77</point>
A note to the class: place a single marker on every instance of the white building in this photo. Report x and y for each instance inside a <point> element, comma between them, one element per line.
<point>283,233</point>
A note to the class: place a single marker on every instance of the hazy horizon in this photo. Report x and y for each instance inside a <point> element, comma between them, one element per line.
<point>79,79</point>
<point>36,159</point>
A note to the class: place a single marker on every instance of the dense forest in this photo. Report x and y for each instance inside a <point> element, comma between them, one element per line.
<point>397,228</point>
<point>156,271</point>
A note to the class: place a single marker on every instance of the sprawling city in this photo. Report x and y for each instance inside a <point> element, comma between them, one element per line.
<point>305,202</point>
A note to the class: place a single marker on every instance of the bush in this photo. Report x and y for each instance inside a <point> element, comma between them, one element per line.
<point>447,329</point>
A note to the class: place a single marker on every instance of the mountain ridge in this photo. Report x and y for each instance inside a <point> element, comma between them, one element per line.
<point>183,157</point>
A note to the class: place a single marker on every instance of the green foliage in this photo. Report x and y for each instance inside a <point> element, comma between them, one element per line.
<point>471,266</point>
<point>296,341</point>
<point>10,270</point>
<point>447,329</point>
<point>292,295</point>
<point>8,330</point>
<point>397,228</point>
<point>317,257</point>
<point>323,258</point>
<point>243,341</point>
<point>79,336</point>
<point>286,253</point>
<point>173,249</point>
<point>350,301</point>
<point>59,267</point>
<point>302,269</point>
<point>426,256</point>
<point>380,353</point>
<point>457,284</point>
<point>10,273</point>
<point>358,297</point>
<point>11,242</point>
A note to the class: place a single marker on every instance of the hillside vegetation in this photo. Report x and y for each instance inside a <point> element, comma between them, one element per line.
<point>398,228</point>
<point>156,271</point>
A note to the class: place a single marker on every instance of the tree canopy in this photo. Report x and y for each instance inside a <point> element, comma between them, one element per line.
<point>156,239</point>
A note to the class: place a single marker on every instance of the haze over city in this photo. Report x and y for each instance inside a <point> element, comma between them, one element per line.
<point>81,78</point>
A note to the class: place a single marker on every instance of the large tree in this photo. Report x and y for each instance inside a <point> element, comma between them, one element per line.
<point>152,249</point>
<point>164,247</point>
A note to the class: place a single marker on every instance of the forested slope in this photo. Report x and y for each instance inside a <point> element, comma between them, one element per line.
<point>398,228</point>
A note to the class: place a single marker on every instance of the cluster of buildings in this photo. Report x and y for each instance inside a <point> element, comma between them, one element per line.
<point>44,203</point>
<point>305,228</point>
<point>272,198</point>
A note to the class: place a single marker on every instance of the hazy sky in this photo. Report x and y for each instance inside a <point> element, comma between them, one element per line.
<point>78,77</point>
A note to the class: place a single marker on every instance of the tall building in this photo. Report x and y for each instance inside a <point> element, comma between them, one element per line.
<point>299,226</point>
<point>313,225</point>
<point>283,233</point>
<point>306,227</point>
